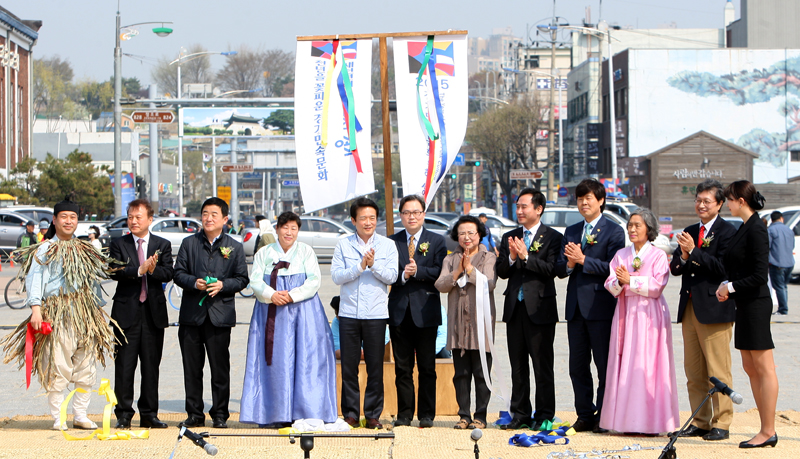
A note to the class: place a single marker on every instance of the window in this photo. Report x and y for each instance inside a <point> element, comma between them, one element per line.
<point>434,225</point>
<point>325,227</point>
<point>12,220</point>
<point>550,218</point>
<point>191,227</point>
<point>531,62</point>
<point>794,156</point>
<point>168,226</point>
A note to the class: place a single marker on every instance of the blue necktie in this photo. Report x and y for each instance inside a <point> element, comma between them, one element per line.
<point>587,230</point>
<point>527,240</point>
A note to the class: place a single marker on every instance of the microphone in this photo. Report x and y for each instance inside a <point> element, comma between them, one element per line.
<point>210,449</point>
<point>722,387</point>
<point>475,436</point>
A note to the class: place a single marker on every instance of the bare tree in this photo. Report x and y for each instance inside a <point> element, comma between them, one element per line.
<point>193,70</point>
<point>506,139</point>
<point>242,72</point>
<point>52,87</point>
<point>278,72</point>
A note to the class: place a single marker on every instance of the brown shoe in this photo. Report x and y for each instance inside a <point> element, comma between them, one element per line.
<point>352,422</point>
<point>373,423</point>
<point>462,424</point>
<point>582,425</point>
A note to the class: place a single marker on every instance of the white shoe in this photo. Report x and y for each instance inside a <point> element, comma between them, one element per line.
<point>85,424</point>
<point>62,426</point>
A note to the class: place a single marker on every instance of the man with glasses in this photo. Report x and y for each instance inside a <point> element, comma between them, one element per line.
<point>364,265</point>
<point>706,323</point>
<point>415,312</point>
<point>527,259</point>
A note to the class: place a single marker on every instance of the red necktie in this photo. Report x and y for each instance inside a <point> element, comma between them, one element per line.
<point>143,293</point>
<point>270,339</point>
<point>702,233</point>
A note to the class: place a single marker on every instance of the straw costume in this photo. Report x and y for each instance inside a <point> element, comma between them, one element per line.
<point>63,277</point>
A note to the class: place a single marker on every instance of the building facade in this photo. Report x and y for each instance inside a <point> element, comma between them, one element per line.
<point>766,24</point>
<point>17,38</point>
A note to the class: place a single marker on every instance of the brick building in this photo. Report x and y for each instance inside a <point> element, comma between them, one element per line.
<point>17,38</point>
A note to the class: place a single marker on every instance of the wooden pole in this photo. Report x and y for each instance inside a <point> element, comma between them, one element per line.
<point>387,137</point>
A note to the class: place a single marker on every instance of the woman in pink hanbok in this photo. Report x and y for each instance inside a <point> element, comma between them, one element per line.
<point>641,394</point>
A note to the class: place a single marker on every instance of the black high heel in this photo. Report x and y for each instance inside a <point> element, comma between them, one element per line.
<point>771,441</point>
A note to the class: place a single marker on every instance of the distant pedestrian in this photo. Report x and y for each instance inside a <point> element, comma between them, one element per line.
<point>44,225</point>
<point>28,237</point>
<point>487,240</point>
<point>781,259</point>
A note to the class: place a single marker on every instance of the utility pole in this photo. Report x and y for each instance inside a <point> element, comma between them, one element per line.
<point>154,158</point>
<point>551,119</point>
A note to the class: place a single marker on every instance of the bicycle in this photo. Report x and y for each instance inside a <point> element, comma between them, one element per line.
<point>14,294</point>
<point>174,294</point>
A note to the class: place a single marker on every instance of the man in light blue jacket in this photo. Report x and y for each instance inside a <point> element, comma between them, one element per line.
<point>364,265</point>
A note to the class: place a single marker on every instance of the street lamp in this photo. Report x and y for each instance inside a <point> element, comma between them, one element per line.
<point>180,60</point>
<point>130,33</point>
<point>604,30</point>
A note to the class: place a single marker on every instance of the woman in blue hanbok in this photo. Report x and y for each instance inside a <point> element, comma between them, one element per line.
<point>291,368</point>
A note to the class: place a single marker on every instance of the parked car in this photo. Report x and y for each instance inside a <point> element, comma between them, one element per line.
<point>787,211</point>
<point>432,223</point>
<point>447,216</point>
<point>36,214</point>
<point>12,225</point>
<point>117,227</point>
<point>500,225</point>
<point>794,225</point>
<point>621,208</point>
<point>561,217</point>
<point>322,234</point>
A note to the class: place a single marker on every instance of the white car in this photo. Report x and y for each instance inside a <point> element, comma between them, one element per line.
<point>176,229</point>
<point>794,225</point>
<point>322,234</point>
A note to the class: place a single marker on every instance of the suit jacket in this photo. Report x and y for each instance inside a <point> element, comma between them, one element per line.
<point>125,309</point>
<point>536,276</point>
<point>197,258</point>
<point>747,260</point>
<point>585,289</point>
<point>418,292</point>
<point>702,273</point>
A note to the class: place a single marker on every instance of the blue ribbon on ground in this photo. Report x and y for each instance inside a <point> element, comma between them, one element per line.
<point>505,419</point>
<point>549,437</point>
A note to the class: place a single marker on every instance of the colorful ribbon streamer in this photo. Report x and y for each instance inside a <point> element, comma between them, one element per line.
<point>345,88</point>
<point>545,437</point>
<point>30,340</point>
<point>102,433</point>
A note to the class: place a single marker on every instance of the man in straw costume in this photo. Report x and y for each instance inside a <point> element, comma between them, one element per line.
<point>62,277</point>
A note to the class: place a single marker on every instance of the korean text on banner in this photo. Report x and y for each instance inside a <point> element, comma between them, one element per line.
<point>431,84</point>
<point>332,121</point>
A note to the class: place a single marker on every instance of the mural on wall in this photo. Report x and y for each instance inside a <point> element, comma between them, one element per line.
<point>748,97</point>
<point>780,80</point>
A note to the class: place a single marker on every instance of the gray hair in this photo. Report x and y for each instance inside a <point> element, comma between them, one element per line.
<point>650,221</point>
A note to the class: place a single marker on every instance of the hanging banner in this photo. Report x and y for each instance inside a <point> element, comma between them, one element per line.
<point>332,121</point>
<point>431,85</point>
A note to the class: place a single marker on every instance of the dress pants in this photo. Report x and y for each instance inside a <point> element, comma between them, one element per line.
<point>466,368</point>
<point>535,341</point>
<point>141,342</point>
<point>706,353</point>
<point>588,339</point>
<point>197,342</point>
<point>409,341</point>
<point>352,333</point>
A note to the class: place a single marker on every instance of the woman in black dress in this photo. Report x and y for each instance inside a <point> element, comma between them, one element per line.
<point>747,263</point>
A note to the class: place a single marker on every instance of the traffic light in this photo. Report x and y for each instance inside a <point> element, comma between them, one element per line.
<point>477,163</point>
<point>141,187</point>
<point>453,176</point>
<point>472,164</point>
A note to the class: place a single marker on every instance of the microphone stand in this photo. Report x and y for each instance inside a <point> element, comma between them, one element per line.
<point>669,451</point>
<point>477,452</point>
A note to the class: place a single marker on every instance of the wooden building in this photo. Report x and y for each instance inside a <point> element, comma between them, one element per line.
<point>671,175</point>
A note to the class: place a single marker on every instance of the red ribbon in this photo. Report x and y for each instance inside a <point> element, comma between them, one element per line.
<point>45,329</point>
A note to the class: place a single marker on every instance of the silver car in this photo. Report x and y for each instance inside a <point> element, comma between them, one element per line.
<point>176,229</point>
<point>12,225</point>
<point>322,234</point>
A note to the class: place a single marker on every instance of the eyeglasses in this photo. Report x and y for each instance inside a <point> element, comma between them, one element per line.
<point>415,213</point>
<point>701,202</point>
<point>468,233</point>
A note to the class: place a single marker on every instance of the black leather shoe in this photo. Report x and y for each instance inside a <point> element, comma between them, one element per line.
<point>220,423</point>
<point>692,431</point>
<point>152,422</point>
<point>516,424</point>
<point>123,423</point>
<point>582,425</point>
<point>716,434</point>
<point>597,429</point>
<point>402,422</point>
<point>192,422</point>
<point>536,424</point>
<point>425,423</point>
<point>771,441</point>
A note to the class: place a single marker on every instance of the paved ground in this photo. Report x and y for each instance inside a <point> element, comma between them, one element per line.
<point>16,401</point>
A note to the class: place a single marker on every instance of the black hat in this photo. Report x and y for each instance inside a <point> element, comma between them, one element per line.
<point>66,206</point>
<point>30,223</point>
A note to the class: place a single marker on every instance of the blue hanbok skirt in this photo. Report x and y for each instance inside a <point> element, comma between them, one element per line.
<point>301,382</point>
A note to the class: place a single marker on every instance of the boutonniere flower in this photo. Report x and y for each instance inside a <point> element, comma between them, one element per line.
<point>591,239</point>
<point>637,263</point>
<point>707,241</point>
<point>536,245</point>
<point>423,248</point>
<point>226,252</point>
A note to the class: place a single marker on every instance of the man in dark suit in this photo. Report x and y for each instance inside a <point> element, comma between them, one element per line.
<point>211,269</point>
<point>415,312</point>
<point>587,249</point>
<point>527,259</point>
<point>706,323</point>
<point>140,310</point>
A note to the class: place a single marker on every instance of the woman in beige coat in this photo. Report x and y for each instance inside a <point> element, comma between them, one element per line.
<point>458,279</point>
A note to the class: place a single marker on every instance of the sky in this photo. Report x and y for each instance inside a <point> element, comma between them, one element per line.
<point>82,31</point>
